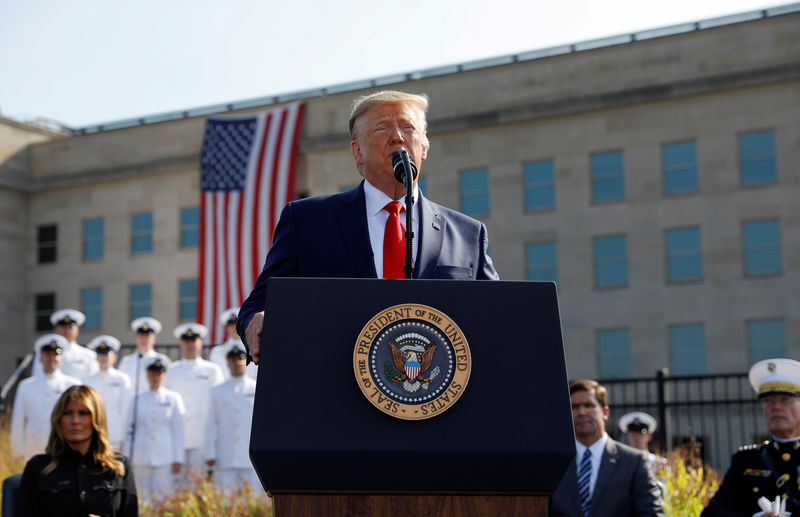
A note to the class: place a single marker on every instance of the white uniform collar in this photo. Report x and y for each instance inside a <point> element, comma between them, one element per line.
<point>377,199</point>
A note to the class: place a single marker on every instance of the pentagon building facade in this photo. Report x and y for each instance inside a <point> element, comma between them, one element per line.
<point>655,177</point>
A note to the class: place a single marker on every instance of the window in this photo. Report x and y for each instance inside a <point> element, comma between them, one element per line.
<point>140,300</point>
<point>540,187</point>
<point>93,239</point>
<point>757,158</point>
<point>762,247</point>
<point>142,233</point>
<point>45,305</point>
<point>767,339</point>
<point>614,353</point>
<point>680,167</point>
<point>190,227</point>
<point>188,299</point>
<point>475,192</point>
<point>46,237</point>
<point>610,261</point>
<point>608,181</point>
<point>92,307</point>
<point>541,262</point>
<point>687,344</point>
<point>684,260</point>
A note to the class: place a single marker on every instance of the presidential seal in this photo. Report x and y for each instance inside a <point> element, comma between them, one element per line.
<point>412,361</point>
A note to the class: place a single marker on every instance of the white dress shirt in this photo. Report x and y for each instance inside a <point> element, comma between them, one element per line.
<point>230,416</point>
<point>127,365</point>
<point>193,379</point>
<point>376,221</point>
<point>115,389</point>
<point>597,448</point>
<point>158,437</point>
<point>30,418</point>
<point>79,362</point>
<point>219,356</point>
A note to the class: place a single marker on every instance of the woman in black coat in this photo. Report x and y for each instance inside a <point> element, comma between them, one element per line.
<point>79,474</point>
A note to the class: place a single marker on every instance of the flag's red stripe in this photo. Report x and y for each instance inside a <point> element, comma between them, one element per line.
<point>215,270</point>
<point>260,172</point>
<point>239,240</point>
<point>290,193</point>
<point>201,285</point>
<point>273,191</point>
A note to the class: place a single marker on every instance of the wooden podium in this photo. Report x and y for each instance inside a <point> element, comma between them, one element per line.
<point>321,447</point>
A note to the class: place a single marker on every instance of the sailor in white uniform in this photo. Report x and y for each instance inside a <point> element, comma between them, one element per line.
<point>113,386</point>
<point>78,361</point>
<point>36,396</point>
<point>154,440</point>
<point>230,416</point>
<point>146,329</point>
<point>193,377</point>
<point>219,354</point>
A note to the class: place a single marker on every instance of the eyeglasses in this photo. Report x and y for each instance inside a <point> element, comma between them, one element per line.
<point>783,400</point>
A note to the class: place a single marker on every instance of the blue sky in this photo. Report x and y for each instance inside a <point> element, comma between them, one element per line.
<point>89,61</point>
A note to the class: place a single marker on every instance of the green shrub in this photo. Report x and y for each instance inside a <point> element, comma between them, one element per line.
<point>688,484</point>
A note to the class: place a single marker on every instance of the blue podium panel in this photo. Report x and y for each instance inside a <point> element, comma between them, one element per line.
<point>314,429</point>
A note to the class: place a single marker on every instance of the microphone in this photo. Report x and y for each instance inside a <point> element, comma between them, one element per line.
<point>402,163</point>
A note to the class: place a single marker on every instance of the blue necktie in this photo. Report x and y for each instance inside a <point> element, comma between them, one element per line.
<point>584,476</point>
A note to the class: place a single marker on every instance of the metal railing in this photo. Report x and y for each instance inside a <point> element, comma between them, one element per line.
<point>720,412</point>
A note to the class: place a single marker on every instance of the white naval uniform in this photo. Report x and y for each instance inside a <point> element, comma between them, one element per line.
<point>219,356</point>
<point>30,418</point>
<point>158,440</point>
<point>79,362</point>
<point>230,416</point>
<point>193,379</point>
<point>115,389</point>
<point>127,365</point>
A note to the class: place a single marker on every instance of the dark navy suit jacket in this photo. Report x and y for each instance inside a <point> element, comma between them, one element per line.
<point>328,236</point>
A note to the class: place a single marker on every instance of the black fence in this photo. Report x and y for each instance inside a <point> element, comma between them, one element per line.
<point>719,413</point>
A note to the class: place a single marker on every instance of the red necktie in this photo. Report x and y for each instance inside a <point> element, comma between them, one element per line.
<point>394,243</point>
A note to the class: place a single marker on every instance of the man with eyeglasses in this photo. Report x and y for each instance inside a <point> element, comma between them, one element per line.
<point>770,469</point>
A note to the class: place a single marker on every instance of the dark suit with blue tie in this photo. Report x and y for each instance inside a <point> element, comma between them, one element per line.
<point>626,487</point>
<point>328,236</point>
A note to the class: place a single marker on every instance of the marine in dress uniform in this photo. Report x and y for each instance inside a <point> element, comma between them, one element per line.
<point>78,361</point>
<point>772,468</point>
<point>154,440</point>
<point>230,416</point>
<point>113,386</point>
<point>36,396</point>
<point>146,329</point>
<point>219,354</point>
<point>193,377</point>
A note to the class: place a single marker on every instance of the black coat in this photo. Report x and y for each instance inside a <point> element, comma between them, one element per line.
<point>748,478</point>
<point>77,487</point>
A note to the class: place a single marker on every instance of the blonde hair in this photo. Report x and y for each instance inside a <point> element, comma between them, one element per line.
<point>100,447</point>
<point>365,102</point>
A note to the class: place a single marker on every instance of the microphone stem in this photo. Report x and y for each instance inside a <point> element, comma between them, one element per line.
<point>409,182</point>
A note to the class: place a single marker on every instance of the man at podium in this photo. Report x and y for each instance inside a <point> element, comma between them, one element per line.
<point>361,233</point>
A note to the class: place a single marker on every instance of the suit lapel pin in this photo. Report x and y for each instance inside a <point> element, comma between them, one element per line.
<point>436,226</point>
<point>612,460</point>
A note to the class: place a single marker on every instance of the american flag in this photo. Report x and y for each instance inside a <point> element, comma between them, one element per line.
<point>247,176</point>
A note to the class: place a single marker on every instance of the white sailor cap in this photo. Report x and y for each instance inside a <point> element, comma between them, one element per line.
<point>637,421</point>
<point>236,350</point>
<point>51,343</point>
<point>146,325</point>
<point>775,376</point>
<point>104,344</point>
<point>190,331</point>
<point>67,317</point>
<point>156,364</point>
<point>230,316</point>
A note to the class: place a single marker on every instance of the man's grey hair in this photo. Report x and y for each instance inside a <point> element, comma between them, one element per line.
<point>365,102</point>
